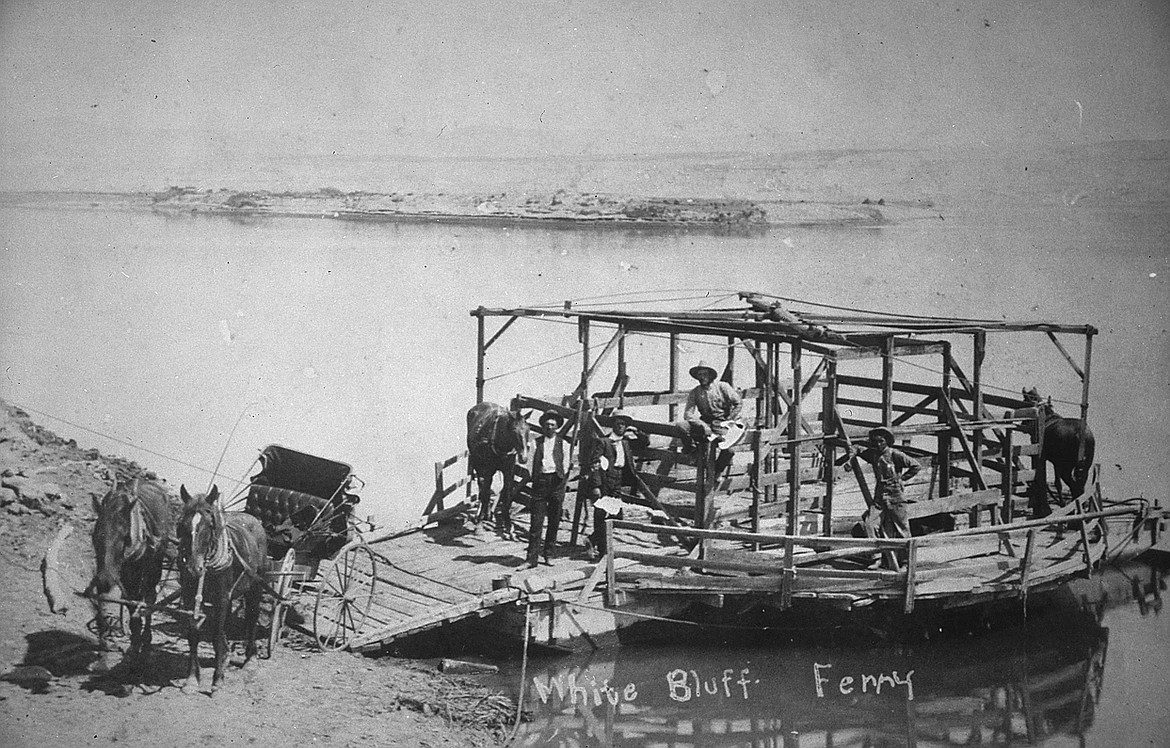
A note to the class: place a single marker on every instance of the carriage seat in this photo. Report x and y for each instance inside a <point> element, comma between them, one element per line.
<point>294,518</point>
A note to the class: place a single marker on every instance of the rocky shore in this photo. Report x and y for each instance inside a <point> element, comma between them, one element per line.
<point>556,208</point>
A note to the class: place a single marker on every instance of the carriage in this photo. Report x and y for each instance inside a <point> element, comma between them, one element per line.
<point>315,544</point>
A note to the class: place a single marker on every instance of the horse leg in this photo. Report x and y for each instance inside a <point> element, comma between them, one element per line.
<point>485,497</point>
<point>149,594</point>
<point>132,585</point>
<point>223,604</point>
<point>192,640</point>
<point>504,506</point>
<point>251,621</point>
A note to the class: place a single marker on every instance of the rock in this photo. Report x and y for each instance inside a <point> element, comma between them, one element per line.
<point>17,508</point>
<point>28,674</point>
<point>7,496</point>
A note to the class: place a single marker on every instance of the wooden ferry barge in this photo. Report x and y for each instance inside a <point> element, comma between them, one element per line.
<point>778,528</point>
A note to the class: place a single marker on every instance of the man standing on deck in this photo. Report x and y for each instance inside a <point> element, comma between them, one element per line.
<point>611,460</point>
<point>548,486</point>
<point>891,469</point>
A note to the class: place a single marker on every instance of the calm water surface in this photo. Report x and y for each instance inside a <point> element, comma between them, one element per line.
<point>155,337</point>
<point>1082,670</point>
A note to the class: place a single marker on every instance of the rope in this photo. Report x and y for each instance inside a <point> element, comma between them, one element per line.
<point>113,438</point>
<point>523,675</point>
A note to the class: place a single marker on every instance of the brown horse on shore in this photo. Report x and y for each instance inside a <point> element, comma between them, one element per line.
<point>221,555</point>
<point>497,440</point>
<point>1069,446</point>
<point>129,543</point>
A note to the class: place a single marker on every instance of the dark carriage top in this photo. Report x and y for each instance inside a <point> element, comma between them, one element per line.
<point>303,501</point>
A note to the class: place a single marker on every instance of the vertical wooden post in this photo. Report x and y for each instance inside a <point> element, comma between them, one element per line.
<point>437,504</point>
<point>583,338</point>
<point>1026,564</point>
<point>621,356</point>
<point>729,370</point>
<point>978,354</point>
<point>789,574</point>
<point>793,445</point>
<point>773,456</point>
<point>944,438</point>
<point>1085,394</point>
<point>911,568</point>
<point>672,377</point>
<point>479,354</point>
<point>757,472</point>
<point>888,381</point>
<point>701,472</point>
<point>1009,477</point>
<point>610,576</point>
<point>828,409</point>
<point>1085,382</point>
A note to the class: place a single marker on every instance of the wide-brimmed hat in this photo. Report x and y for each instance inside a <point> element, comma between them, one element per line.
<point>551,415</point>
<point>883,432</point>
<point>701,366</point>
<point>621,415</point>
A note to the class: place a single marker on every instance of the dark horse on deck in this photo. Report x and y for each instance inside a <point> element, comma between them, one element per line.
<point>221,555</point>
<point>1068,445</point>
<point>130,537</point>
<point>497,440</point>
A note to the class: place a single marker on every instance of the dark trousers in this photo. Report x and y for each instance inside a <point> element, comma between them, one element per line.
<point>548,501</point>
<point>597,537</point>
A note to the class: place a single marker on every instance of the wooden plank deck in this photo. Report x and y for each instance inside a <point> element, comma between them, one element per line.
<point>451,571</point>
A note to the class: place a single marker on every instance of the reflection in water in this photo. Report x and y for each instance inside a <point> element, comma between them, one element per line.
<point>1017,684</point>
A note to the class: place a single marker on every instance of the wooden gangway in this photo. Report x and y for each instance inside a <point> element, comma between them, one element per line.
<point>452,570</point>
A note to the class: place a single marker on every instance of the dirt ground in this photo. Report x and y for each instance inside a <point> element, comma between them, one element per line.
<point>51,693</point>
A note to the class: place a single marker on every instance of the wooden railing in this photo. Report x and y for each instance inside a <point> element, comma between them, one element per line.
<point>782,571</point>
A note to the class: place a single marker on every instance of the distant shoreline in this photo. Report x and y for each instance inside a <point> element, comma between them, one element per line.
<point>559,209</point>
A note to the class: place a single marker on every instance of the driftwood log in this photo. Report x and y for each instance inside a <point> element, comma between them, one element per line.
<point>52,578</point>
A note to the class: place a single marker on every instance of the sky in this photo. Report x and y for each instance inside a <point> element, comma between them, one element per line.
<point>123,95</point>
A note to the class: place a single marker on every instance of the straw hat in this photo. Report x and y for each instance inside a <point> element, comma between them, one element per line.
<point>621,415</point>
<point>700,367</point>
<point>551,415</point>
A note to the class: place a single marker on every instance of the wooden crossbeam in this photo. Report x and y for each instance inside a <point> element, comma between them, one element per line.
<point>1067,357</point>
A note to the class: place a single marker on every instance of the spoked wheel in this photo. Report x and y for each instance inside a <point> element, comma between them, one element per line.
<point>345,595</point>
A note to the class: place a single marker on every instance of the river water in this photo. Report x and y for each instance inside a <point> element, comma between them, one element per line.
<point>183,341</point>
<point>1084,669</point>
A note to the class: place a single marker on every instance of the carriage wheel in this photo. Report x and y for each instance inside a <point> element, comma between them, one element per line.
<point>345,595</point>
<point>283,585</point>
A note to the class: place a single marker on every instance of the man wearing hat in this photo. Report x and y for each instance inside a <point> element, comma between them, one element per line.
<point>548,486</point>
<point>611,461</point>
<point>891,469</point>
<point>709,404</point>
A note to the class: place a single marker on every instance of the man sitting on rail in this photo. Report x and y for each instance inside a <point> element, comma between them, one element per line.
<point>711,414</point>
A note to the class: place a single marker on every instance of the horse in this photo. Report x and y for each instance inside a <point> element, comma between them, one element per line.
<point>221,555</point>
<point>129,543</point>
<point>1069,446</point>
<point>497,440</point>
